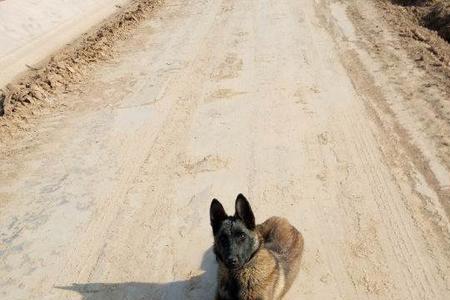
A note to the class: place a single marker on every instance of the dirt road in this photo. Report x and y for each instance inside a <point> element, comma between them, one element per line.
<point>285,101</point>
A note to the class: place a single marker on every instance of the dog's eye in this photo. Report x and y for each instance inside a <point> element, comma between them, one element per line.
<point>242,236</point>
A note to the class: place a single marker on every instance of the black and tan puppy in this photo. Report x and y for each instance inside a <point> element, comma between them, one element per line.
<point>255,262</point>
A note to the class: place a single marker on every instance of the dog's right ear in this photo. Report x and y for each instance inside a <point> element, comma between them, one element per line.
<point>244,212</point>
<point>217,215</point>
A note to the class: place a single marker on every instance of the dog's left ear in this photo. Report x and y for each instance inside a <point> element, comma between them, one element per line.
<point>244,212</point>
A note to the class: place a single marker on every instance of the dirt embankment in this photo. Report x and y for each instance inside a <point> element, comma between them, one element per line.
<point>69,65</point>
<point>432,14</point>
<point>422,26</point>
<point>431,55</point>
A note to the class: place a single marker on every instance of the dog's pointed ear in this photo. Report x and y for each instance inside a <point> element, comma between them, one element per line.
<point>244,212</point>
<point>217,215</point>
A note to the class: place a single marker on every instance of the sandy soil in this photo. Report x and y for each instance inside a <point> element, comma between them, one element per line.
<point>289,102</point>
<point>30,29</point>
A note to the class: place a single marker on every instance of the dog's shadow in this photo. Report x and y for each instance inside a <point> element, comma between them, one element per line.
<point>198,287</point>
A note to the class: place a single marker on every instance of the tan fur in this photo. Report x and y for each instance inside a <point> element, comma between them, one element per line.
<point>273,268</point>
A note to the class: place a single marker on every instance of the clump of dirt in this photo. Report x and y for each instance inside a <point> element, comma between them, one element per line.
<point>72,64</point>
<point>432,14</point>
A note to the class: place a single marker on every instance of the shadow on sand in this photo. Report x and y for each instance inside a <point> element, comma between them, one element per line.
<point>200,287</point>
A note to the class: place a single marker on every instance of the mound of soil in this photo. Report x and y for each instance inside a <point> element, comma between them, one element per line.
<point>432,14</point>
<point>70,65</point>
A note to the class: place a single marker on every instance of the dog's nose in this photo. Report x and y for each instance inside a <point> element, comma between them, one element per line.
<point>232,261</point>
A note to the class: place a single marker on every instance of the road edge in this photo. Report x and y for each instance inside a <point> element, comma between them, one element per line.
<point>32,90</point>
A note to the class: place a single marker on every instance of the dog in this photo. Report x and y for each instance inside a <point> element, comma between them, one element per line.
<point>256,262</point>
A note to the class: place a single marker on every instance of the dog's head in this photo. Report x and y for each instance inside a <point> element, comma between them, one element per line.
<point>235,238</point>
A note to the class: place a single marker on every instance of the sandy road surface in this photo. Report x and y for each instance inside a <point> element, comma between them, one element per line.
<point>109,197</point>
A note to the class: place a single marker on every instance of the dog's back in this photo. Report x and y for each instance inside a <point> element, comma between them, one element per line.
<point>286,244</point>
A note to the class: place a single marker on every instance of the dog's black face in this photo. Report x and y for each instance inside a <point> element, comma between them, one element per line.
<point>235,240</point>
